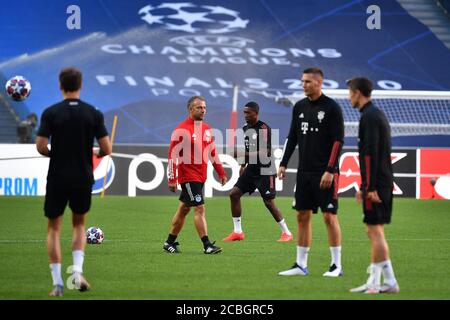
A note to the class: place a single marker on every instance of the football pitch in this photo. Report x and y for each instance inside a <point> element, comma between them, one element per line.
<point>131,264</point>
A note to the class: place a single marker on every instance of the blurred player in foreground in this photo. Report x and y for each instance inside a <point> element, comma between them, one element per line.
<point>71,126</point>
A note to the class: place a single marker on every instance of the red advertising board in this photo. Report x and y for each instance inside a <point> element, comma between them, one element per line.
<point>433,173</point>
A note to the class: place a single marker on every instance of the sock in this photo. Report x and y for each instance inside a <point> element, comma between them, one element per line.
<point>171,238</point>
<point>336,256</point>
<point>284,227</point>
<point>78,259</point>
<point>237,225</point>
<point>205,241</point>
<point>56,274</point>
<point>388,272</point>
<point>374,279</point>
<point>302,256</point>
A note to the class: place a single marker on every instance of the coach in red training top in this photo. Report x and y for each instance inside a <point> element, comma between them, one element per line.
<point>191,146</point>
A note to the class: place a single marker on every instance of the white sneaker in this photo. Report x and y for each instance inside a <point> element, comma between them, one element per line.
<point>386,288</point>
<point>296,270</point>
<point>365,288</point>
<point>334,272</point>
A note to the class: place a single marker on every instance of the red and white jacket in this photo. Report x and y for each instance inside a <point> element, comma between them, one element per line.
<point>191,146</point>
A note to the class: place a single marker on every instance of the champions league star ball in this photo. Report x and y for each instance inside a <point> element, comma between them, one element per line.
<point>18,88</point>
<point>94,235</point>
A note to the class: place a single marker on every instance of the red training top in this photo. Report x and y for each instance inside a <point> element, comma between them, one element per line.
<point>191,146</point>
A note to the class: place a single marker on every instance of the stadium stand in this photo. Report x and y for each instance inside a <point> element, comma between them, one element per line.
<point>431,15</point>
<point>8,123</point>
<point>445,4</point>
<point>143,59</point>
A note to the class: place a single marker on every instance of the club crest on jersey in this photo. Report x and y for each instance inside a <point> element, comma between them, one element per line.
<point>102,167</point>
<point>320,116</point>
<point>208,136</point>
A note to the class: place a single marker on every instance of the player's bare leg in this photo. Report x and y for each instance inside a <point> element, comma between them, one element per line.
<point>380,249</point>
<point>170,245</point>
<point>304,236</point>
<point>236,212</point>
<point>333,229</point>
<point>54,254</point>
<point>334,241</point>
<point>235,199</point>
<point>78,232</point>
<point>304,228</point>
<point>78,246</point>
<point>202,230</point>
<point>200,221</point>
<point>53,239</point>
<point>179,218</point>
<point>286,234</point>
<point>380,258</point>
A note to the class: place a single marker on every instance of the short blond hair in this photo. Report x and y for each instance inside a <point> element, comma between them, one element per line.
<point>193,98</point>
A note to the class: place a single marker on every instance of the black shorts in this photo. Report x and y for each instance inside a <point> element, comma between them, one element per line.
<point>309,196</point>
<point>57,197</point>
<point>378,213</point>
<point>250,181</point>
<point>192,194</point>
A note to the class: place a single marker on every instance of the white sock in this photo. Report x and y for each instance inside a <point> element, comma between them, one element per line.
<point>374,279</point>
<point>56,274</point>
<point>78,259</point>
<point>302,256</point>
<point>237,225</point>
<point>284,227</point>
<point>388,272</point>
<point>336,256</point>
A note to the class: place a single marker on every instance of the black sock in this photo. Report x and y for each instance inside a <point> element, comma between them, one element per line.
<point>206,241</point>
<point>171,238</point>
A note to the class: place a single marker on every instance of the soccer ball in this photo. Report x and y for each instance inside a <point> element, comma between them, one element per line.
<point>18,88</point>
<point>94,235</point>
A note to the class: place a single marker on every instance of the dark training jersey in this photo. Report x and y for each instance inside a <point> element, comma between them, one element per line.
<point>71,126</point>
<point>258,140</point>
<point>317,127</point>
<point>374,144</point>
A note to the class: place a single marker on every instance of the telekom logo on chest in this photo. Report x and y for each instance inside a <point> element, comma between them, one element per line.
<point>304,127</point>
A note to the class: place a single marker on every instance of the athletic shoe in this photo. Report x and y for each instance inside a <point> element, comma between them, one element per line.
<point>296,270</point>
<point>334,272</point>
<point>57,291</point>
<point>285,237</point>
<point>81,282</point>
<point>212,249</point>
<point>171,247</point>
<point>386,288</point>
<point>234,236</point>
<point>365,289</point>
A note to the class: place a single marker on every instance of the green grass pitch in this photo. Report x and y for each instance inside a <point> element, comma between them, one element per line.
<point>131,264</point>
